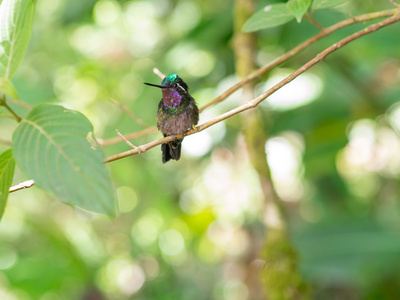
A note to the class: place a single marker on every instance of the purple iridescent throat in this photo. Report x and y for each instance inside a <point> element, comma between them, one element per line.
<point>171,97</point>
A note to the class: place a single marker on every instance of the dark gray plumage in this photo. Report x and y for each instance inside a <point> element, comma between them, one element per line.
<point>177,113</point>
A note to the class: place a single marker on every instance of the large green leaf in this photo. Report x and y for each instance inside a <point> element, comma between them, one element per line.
<point>7,166</point>
<point>55,146</point>
<point>16,18</point>
<point>270,16</point>
<point>298,8</point>
<point>320,4</point>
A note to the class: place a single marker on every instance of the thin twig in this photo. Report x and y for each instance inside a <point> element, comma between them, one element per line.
<point>5,142</point>
<point>22,185</point>
<point>158,73</point>
<point>131,114</point>
<point>129,136</point>
<point>128,142</point>
<point>394,3</point>
<point>148,130</point>
<point>309,17</point>
<point>324,33</point>
<point>20,103</point>
<point>125,140</point>
<point>262,97</point>
<point>7,116</point>
<point>252,103</point>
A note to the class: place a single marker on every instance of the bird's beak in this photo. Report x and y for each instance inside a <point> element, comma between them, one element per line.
<point>156,85</point>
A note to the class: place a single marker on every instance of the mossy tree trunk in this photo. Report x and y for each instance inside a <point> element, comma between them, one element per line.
<point>279,276</point>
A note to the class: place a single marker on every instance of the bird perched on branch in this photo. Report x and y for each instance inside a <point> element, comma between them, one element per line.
<point>177,113</point>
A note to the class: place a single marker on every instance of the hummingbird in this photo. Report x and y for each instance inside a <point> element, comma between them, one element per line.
<point>177,113</point>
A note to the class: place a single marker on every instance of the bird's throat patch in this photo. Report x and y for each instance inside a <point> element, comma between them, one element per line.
<point>171,98</point>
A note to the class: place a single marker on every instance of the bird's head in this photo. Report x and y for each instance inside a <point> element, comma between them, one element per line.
<point>172,81</point>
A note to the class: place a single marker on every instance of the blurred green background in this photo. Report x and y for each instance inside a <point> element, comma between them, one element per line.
<point>191,229</point>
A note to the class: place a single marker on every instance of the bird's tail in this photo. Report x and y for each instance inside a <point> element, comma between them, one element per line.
<point>171,150</point>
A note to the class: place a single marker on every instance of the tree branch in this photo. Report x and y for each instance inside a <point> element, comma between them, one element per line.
<point>5,142</point>
<point>324,33</point>
<point>131,114</point>
<point>20,104</point>
<point>253,103</point>
<point>394,3</point>
<point>22,185</point>
<point>128,136</point>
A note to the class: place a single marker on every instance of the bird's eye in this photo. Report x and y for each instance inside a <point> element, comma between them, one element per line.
<point>174,85</point>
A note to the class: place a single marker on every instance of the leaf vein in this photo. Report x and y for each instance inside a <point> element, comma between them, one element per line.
<point>53,142</point>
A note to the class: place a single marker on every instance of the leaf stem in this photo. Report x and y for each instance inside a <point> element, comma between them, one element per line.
<point>309,17</point>
<point>4,103</point>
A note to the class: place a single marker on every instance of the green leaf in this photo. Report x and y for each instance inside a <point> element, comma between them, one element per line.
<point>6,87</point>
<point>7,167</point>
<point>298,8</point>
<point>270,16</point>
<point>320,4</point>
<point>16,18</point>
<point>55,147</point>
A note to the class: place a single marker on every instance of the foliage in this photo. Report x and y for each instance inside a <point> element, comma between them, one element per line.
<point>298,8</point>
<point>7,166</point>
<point>270,16</point>
<point>59,147</point>
<point>52,142</point>
<point>277,14</point>
<point>16,23</point>
<point>194,229</point>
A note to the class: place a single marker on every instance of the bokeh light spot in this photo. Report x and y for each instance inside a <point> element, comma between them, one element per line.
<point>220,232</point>
<point>184,17</point>
<point>198,144</point>
<point>302,90</point>
<point>8,257</point>
<point>171,242</point>
<point>145,231</point>
<point>130,279</point>
<point>235,290</point>
<point>284,154</point>
<point>127,199</point>
<point>394,116</point>
<point>150,266</point>
<point>200,63</point>
<point>106,12</point>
